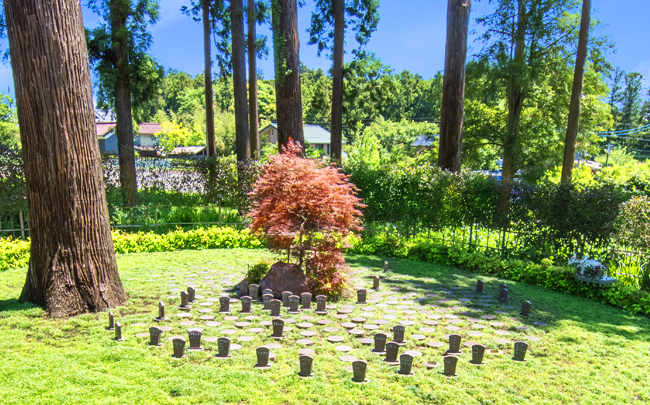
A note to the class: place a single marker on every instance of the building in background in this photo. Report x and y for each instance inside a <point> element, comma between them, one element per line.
<point>315,135</point>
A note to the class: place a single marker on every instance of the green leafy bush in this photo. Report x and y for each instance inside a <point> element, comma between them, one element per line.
<point>13,253</point>
<point>556,278</point>
<point>256,272</point>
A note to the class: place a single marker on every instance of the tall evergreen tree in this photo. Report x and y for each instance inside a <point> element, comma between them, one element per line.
<point>207,59</point>
<point>252,81</point>
<point>286,57</point>
<point>576,94</point>
<point>242,134</point>
<point>72,266</point>
<point>453,85</point>
<point>327,30</point>
<point>117,49</point>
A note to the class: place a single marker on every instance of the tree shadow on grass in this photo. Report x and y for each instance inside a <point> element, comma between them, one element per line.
<point>551,307</point>
<point>12,305</point>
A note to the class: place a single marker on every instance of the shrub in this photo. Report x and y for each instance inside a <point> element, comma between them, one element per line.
<point>256,272</point>
<point>308,210</point>
<point>13,253</point>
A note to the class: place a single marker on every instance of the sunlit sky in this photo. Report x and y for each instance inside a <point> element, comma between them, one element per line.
<point>410,36</point>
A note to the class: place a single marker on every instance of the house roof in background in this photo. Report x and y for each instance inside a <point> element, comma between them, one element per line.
<point>103,128</point>
<point>149,128</point>
<point>314,134</point>
<point>187,150</point>
<point>424,140</point>
<point>104,115</point>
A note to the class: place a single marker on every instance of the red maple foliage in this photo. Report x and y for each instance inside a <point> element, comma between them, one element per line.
<point>308,210</point>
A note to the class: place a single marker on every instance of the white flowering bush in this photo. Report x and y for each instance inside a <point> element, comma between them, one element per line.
<point>588,267</point>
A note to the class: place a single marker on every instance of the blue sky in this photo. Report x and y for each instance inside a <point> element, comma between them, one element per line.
<point>411,36</point>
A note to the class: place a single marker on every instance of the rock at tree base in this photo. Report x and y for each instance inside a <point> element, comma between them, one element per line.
<point>285,277</point>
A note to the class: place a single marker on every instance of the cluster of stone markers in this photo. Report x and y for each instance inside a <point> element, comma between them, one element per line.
<point>382,343</point>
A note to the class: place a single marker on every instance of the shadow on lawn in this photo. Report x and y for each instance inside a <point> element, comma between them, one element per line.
<point>11,305</point>
<point>548,306</point>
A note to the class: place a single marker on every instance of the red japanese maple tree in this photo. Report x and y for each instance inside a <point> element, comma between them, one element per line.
<point>309,210</point>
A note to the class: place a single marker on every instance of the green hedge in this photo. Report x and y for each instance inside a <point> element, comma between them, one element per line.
<point>15,253</point>
<point>543,275</point>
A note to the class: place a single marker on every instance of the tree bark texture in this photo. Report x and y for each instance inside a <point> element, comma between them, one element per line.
<point>124,127</point>
<point>286,47</point>
<point>453,85</point>
<point>336,136</point>
<point>515,99</point>
<point>576,95</point>
<point>252,83</point>
<point>209,104</point>
<point>72,267</point>
<point>242,134</point>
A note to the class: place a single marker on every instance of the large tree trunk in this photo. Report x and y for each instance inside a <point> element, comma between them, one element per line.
<point>124,127</point>
<point>252,83</point>
<point>453,85</point>
<point>336,136</point>
<point>515,99</point>
<point>242,134</point>
<point>209,103</point>
<point>286,47</point>
<point>72,267</point>
<point>576,95</point>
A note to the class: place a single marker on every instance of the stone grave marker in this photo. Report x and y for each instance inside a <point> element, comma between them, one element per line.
<point>375,282</point>
<point>263,358</point>
<point>243,288</point>
<point>392,349</point>
<point>321,301</point>
<point>253,291</point>
<point>478,351</point>
<point>398,334</point>
<point>450,363</point>
<point>405,364</point>
<point>246,305</point>
<point>266,300</point>
<point>267,291</point>
<point>454,344</point>
<point>306,366</point>
<point>361,296</point>
<point>479,287</point>
<point>118,332</point>
<point>184,301</point>
<point>306,301</point>
<point>520,351</point>
<point>503,295</point>
<point>385,267</point>
<point>294,301</point>
<point>285,298</point>
<point>525,308</point>
<point>195,338</point>
<point>191,294</point>
<point>179,347</point>
<point>278,329</point>
<point>275,307</point>
<point>359,368</point>
<point>111,324</point>
<point>154,336</point>
<point>223,345</point>
<point>161,313</point>
<point>224,305</point>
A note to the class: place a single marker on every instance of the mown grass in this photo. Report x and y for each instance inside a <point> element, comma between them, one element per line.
<point>588,353</point>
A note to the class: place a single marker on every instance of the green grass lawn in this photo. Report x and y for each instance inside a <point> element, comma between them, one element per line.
<point>588,353</point>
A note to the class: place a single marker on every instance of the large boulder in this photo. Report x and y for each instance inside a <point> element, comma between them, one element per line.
<point>285,277</point>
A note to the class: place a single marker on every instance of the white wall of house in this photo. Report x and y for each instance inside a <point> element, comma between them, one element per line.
<point>145,140</point>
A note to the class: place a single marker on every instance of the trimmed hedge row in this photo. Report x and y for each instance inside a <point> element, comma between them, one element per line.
<point>543,275</point>
<point>15,252</point>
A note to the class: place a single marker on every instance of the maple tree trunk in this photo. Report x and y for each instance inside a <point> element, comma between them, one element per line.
<point>242,134</point>
<point>576,95</point>
<point>453,86</point>
<point>336,136</point>
<point>515,99</point>
<point>209,104</point>
<point>286,47</point>
<point>252,83</point>
<point>124,126</point>
<point>72,266</point>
